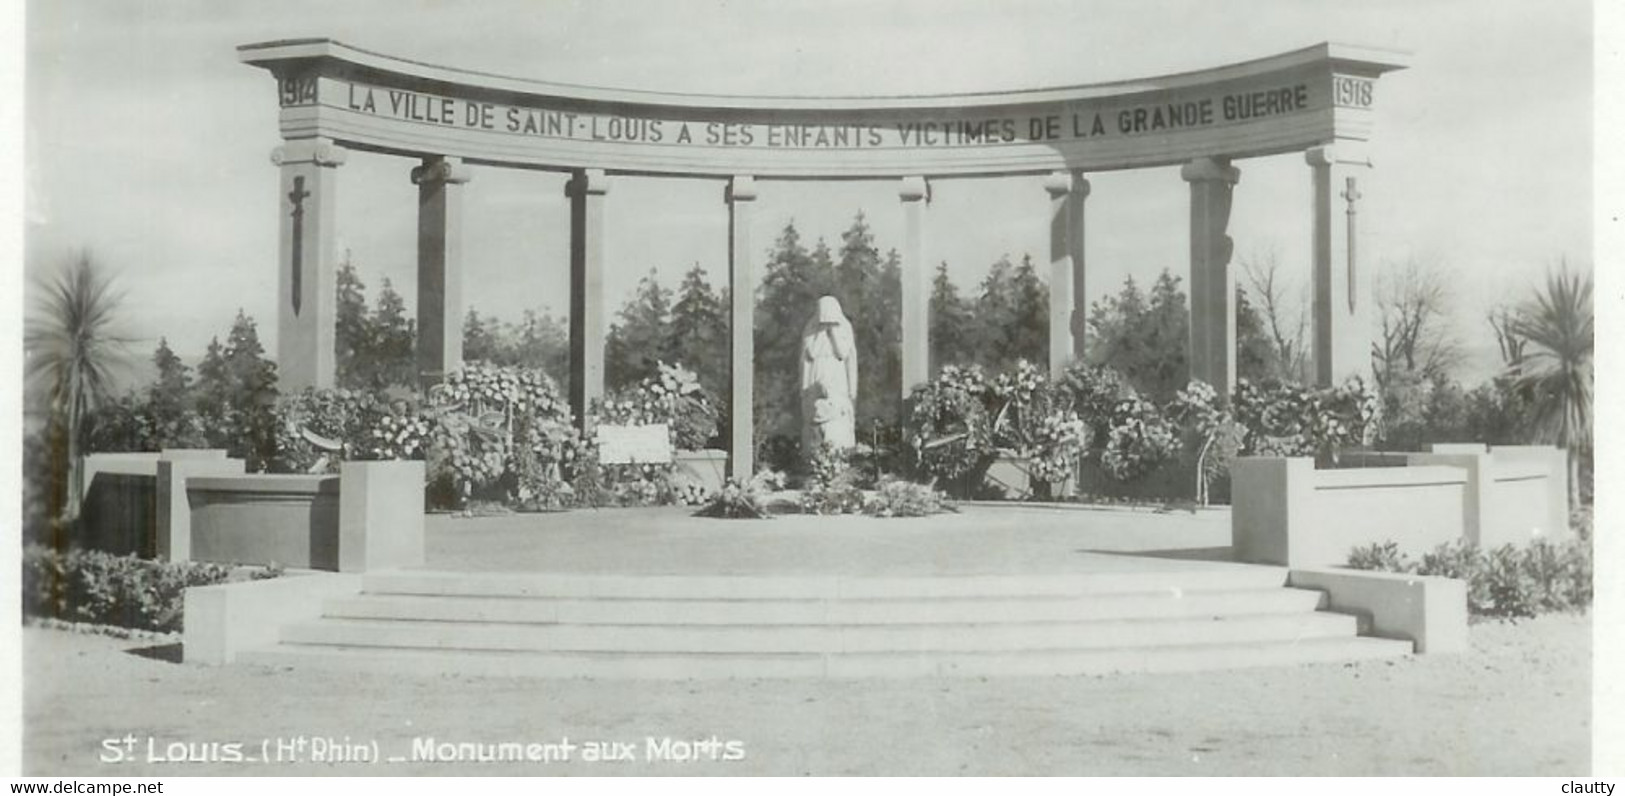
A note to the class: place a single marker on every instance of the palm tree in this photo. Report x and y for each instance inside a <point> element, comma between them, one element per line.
<point>1554,372</point>
<point>71,348</point>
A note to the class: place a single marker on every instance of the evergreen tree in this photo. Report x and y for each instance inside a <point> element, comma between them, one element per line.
<point>169,398</point>
<point>699,328</point>
<point>792,282</point>
<point>237,395</point>
<point>952,337</point>
<point>1146,340</point>
<point>389,358</point>
<point>1027,336</point>
<point>995,312</point>
<point>480,342</point>
<point>1256,355</point>
<point>869,290</point>
<point>542,342</point>
<point>642,337</point>
<point>1167,330</point>
<point>350,326</point>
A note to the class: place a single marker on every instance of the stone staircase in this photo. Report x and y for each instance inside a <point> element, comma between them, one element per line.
<point>677,627</point>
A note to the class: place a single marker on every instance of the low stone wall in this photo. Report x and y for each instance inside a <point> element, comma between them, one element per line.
<point>704,468</point>
<point>370,516</point>
<point>1429,612</point>
<point>1519,493</point>
<point>227,618</point>
<point>1287,512</point>
<point>120,512</point>
<point>291,520</point>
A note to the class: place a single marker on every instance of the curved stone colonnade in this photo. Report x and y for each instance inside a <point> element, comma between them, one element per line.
<point>335,97</point>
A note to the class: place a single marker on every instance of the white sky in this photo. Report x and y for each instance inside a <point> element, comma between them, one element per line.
<point>148,143</point>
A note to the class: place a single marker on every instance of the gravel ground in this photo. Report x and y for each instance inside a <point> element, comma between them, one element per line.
<point>1518,704</point>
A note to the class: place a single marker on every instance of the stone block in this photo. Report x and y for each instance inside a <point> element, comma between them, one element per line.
<point>227,618</point>
<point>380,515</point>
<point>1430,612</point>
<point>173,509</point>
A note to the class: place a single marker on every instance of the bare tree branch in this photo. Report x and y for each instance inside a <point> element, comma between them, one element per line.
<point>1413,304</point>
<point>1285,317</point>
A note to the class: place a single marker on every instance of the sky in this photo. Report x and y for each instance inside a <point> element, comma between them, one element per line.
<point>147,143</point>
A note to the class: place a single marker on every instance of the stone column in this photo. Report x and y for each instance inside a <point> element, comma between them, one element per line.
<point>1068,304</point>
<point>915,193</point>
<point>307,284</point>
<point>740,195</point>
<point>440,267</point>
<point>1212,285</point>
<point>1341,310</point>
<point>586,190</point>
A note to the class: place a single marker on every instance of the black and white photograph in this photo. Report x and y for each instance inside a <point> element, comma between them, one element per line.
<point>809,388</point>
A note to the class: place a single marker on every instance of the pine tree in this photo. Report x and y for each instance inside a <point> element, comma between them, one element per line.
<point>1165,370</point>
<point>1027,337</point>
<point>952,338</point>
<point>995,315</point>
<point>642,336</point>
<point>869,290</point>
<point>237,394</point>
<point>793,281</point>
<point>479,340</point>
<point>699,329</point>
<point>1256,355</point>
<point>350,325</point>
<point>542,342</point>
<point>169,398</point>
<point>390,357</point>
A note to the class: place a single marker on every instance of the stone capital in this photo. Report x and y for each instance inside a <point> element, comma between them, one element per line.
<point>1340,154</point>
<point>742,188</point>
<point>320,151</point>
<point>913,189</point>
<point>1060,183</point>
<point>445,170</point>
<point>591,182</point>
<point>1210,170</point>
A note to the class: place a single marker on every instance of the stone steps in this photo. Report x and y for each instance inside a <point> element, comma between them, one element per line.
<point>886,611</point>
<point>1208,577</point>
<point>1197,657</point>
<point>773,639</point>
<point>1179,618</point>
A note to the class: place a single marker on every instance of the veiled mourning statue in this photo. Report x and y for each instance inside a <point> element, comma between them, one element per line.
<point>829,379</point>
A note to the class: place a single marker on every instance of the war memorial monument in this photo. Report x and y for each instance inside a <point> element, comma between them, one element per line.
<point>367,581</point>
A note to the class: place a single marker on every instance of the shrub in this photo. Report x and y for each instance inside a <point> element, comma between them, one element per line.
<point>1505,583</point>
<point>126,591</point>
<point>898,498</point>
<point>1381,557</point>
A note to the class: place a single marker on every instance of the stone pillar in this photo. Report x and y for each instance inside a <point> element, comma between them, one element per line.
<point>740,195</point>
<point>1212,285</point>
<point>307,284</point>
<point>1068,304</point>
<point>915,193</point>
<point>586,190</point>
<point>1341,309</point>
<point>440,279</point>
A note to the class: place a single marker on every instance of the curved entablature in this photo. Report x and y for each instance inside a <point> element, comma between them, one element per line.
<point>364,100</point>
